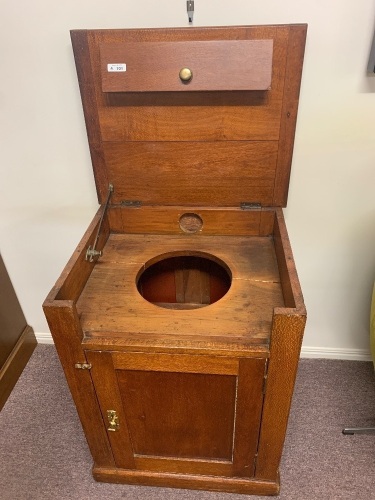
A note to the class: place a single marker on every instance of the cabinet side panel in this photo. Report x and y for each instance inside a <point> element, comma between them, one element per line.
<point>285,346</point>
<point>66,332</point>
<point>70,284</point>
<point>292,292</point>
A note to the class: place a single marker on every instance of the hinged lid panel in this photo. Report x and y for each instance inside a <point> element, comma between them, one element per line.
<point>161,143</point>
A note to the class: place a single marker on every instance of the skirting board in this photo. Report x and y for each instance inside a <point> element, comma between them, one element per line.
<point>306,352</point>
<point>44,338</point>
<point>336,353</point>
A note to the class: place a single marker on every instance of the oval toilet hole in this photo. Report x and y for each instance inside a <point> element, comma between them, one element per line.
<point>181,280</point>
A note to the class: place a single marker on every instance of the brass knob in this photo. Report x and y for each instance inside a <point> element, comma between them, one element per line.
<point>186,75</point>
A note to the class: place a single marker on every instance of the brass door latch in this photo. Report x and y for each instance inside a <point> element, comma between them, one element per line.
<point>112,420</point>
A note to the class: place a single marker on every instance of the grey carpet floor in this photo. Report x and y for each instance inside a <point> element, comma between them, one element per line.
<point>44,455</point>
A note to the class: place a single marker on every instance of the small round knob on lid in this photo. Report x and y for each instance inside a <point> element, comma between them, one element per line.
<point>186,75</point>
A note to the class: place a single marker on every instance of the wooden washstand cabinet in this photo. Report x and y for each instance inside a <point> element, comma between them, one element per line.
<point>179,318</point>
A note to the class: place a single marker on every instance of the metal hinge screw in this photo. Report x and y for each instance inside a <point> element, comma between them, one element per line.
<point>91,254</point>
<point>83,366</point>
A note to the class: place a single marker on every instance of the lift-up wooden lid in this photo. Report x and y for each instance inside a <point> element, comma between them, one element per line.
<point>194,117</point>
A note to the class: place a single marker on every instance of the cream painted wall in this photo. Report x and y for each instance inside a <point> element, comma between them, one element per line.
<point>47,192</point>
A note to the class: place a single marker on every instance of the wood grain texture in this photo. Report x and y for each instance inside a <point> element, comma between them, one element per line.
<point>288,273</point>
<point>80,43</point>
<point>267,219</point>
<point>66,331</point>
<point>190,414</point>
<point>166,220</point>
<point>285,345</point>
<point>211,116</point>
<point>218,365</point>
<point>190,345</point>
<point>184,466</point>
<point>193,481</point>
<point>109,397</point>
<point>294,62</point>
<point>178,414</point>
<point>244,314</point>
<point>196,173</point>
<point>184,282</point>
<point>215,65</point>
<point>286,340</point>
<point>248,415</point>
<point>206,116</point>
<point>78,269</point>
<point>187,384</point>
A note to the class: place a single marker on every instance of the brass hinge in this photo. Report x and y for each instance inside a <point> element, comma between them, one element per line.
<point>245,205</point>
<point>112,417</point>
<point>131,203</point>
<point>83,366</point>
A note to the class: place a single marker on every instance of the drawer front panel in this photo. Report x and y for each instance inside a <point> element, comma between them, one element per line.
<point>186,66</point>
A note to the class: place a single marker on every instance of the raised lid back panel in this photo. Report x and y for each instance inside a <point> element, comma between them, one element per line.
<point>223,138</point>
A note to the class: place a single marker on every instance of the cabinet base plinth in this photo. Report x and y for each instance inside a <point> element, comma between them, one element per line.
<point>187,481</point>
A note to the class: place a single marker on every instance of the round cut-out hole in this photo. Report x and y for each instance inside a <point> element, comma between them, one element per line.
<point>184,281</point>
<point>191,223</point>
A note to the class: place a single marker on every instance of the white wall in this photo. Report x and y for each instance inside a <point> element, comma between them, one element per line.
<point>47,192</point>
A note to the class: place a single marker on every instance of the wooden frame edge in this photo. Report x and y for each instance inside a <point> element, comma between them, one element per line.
<point>16,362</point>
<point>288,273</point>
<point>62,318</point>
<point>76,258</point>
<point>82,56</point>
<point>188,481</point>
<point>285,348</point>
<point>294,64</point>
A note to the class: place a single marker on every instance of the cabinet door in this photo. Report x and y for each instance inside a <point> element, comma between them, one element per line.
<point>180,413</point>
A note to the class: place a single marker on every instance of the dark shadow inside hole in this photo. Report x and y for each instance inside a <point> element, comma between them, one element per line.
<point>184,282</point>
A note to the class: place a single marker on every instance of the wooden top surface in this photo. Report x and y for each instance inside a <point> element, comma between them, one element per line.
<point>110,306</point>
<point>224,138</point>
